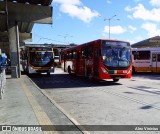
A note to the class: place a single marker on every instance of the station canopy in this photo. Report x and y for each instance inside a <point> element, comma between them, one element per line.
<point>25,13</point>
<point>150,42</point>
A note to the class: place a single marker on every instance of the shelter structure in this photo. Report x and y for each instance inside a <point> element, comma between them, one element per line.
<point>17,18</point>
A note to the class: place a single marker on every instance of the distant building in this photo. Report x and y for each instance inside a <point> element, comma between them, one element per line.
<point>150,42</point>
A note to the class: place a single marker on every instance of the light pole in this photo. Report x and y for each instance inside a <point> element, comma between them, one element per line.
<point>109,22</point>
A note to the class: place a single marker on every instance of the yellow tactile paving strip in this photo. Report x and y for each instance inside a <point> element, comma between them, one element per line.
<point>42,117</point>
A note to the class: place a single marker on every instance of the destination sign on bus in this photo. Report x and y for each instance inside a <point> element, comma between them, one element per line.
<point>40,48</point>
<point>111,43</point>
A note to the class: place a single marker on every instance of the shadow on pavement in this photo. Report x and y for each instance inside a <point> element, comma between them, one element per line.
<point>67,81</point>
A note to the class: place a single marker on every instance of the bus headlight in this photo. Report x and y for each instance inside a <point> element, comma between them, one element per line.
<point>103,70</point>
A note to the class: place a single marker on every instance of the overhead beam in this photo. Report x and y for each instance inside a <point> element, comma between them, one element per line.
<point>3,22</point>
<point>27,12</point>
<point>25,37</point>
<point>22,37</point>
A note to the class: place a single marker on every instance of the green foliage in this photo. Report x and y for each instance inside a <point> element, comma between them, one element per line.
<point>73,44</point>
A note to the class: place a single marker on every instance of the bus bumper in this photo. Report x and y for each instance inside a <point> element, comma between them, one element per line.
<point>40,70</point>
<point>115,74</point>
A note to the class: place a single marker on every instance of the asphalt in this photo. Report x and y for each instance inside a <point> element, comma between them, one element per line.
<point>25,108</point>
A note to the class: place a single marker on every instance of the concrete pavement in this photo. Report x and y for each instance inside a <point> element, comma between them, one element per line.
<point>24,104</point>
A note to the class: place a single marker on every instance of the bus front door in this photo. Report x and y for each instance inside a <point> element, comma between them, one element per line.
<point>155,62</point>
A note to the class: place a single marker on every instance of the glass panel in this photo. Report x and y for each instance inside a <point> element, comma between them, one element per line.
<point>41,58</point>
<point>158,57</point>
<point>143,55</point>
<point>116,54</point>
<point>153,57</point>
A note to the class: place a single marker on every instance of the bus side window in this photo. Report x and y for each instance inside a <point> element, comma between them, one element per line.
<point>83,53</point>
<point>134,53</point>
<point>66,57</point>
<point>143,55</point>
<point>100,54</point>
<point>153,57</point>
<point>96,52</point>
<point>158,57</point>
<point>89,52</point>
<point>70,55</point>
<point>74,54</point>
<point>78,53</point>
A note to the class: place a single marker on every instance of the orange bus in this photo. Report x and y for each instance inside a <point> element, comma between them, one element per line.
<point>99,59</point>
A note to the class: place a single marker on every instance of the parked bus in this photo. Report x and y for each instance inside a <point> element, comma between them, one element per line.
<point>99,59</point>
<point>37,59</point>
<point>146,60</point>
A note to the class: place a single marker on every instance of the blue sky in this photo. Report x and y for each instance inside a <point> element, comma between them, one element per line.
<point>80,21</point>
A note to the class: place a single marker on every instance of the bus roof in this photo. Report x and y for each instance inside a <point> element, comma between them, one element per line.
<point>146,49</point>
<point>98,40</point>
<point>49,46</point>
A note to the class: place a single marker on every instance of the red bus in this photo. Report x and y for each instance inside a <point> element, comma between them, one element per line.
<point>99,59</point>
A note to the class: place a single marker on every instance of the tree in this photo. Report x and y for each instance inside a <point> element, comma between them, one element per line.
<point>73,44</point>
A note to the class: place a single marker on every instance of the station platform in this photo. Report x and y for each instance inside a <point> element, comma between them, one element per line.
<point>24,105</point>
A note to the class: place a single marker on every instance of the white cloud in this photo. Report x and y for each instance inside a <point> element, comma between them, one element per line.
<point>130,17</point>
<point>137,0</point>
<point>155,3</point>
<point>75,8</point>
<point>114,30</point>
<point>108,1</point>
<point>151,29</point>
<point>70,2</point>
<point>83,13</point>
<point>139,12</point>
<point>132,28</point>
<point>136,39</point>
<point>128,9</point>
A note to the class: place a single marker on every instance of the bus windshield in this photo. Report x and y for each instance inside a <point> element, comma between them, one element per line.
<point>116,54</point>
<point>41,59</point>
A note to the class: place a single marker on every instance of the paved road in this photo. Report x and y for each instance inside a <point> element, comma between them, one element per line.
<point>134,101</point>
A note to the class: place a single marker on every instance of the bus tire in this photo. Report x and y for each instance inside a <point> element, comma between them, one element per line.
<point>89,75</point>
<point>115,80</point>
<point>48,73</point>
<point>69,69</point>
<point>133,70</point>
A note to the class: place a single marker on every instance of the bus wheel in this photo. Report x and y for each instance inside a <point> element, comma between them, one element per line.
<point>133,70</point>
<point>48,73</point>
<point>115,80</point>
<point>69,70</point>
<point>90,77</point>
